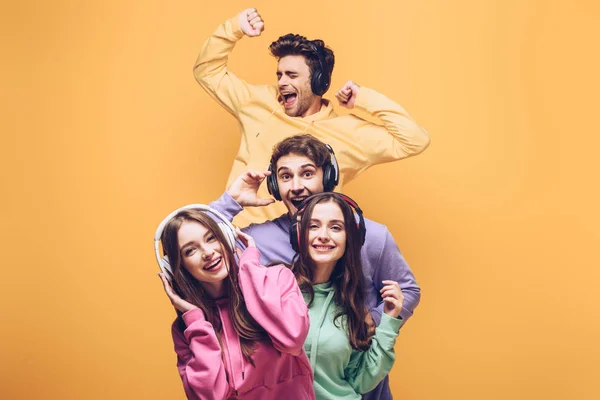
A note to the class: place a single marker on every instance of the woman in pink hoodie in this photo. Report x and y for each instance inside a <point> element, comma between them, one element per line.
<point>240,330</point>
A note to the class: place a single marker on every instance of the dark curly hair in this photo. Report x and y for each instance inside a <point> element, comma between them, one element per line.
<point>296,45</point>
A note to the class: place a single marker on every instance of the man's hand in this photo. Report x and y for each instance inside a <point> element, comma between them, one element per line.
<point>251,23</point>
<point>347,94</point>
<point>244,189</point>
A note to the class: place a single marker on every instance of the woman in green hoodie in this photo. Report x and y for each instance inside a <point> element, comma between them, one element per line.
<point>347,359</point>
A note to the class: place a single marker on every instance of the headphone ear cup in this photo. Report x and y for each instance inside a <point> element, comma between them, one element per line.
<point>166,268</point>
<point>316,84</point>
<point>328,178</point>
<point>228,233</point>
<point>272,185</point>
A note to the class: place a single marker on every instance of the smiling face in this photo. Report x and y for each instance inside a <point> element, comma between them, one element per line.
<point>293,81</point>
<point>203,256</point>
<point>297,178</point>
<point>326,235</point>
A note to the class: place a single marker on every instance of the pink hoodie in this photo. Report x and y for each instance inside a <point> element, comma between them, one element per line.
<point>281,369</point>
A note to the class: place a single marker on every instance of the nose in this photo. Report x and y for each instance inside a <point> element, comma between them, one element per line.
<point>282,81</point>
<point>323,235</point>
<point>297,186</point>
<point>207,253</point>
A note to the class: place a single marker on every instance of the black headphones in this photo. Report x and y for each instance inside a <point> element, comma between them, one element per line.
<point>331,175</point>
<point>321,79</point>
<point>297,218</point>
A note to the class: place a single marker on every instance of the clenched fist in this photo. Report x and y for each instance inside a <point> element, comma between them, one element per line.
<point>251,23</point>
<point>347,94</point>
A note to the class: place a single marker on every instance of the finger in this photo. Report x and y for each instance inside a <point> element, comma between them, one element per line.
<point>388,282</point>
<point>259,27</point>
<point>254,20</point>
<point>388,287</point>
<point>249,241</point>
<point>252,14</point>
<point>342,97</point>
<point>390,293</point>
<point>265,202</point>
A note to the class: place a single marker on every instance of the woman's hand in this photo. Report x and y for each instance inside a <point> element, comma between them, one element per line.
<point>177,301</point>
<point>392,298</point>
<point>246,239</point>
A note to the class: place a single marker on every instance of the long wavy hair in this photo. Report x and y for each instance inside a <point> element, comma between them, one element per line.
<point>192,290</point>
<point>347,277</point>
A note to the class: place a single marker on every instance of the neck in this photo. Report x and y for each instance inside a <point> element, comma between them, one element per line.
<point>314,108</point>
<point>215,290</point>
<point>323,272</point>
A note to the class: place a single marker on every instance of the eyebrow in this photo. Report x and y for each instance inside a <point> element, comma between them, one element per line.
<point>193,241</point>
<point>333,221</point>
<point>301,167</point>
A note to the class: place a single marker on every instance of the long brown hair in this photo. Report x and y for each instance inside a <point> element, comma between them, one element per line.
<point>191,290</point>
<point>347,277</point>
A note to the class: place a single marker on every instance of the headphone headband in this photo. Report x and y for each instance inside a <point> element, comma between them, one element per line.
<point>295,225</point>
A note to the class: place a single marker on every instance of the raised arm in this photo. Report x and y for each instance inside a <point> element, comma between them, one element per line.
<point>199,358</point>
<point>210,69</point>
<point>242,193</point>
<point>396,138</point>
<point>274,300</point>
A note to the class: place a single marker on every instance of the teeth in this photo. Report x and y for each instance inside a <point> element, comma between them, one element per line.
<point>213,264</point>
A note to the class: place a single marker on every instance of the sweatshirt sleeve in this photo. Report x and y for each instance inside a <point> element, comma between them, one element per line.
<point>367,368</point>
<point>398,137</point>
<point>274,300</point>
<point>210,69</point>
<point>392,266</point>
<point>199,358</point>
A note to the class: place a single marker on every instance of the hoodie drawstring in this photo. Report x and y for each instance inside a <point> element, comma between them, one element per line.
<point>314,346</point>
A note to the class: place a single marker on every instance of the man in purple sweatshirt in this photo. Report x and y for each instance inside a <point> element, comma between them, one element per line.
<point>302,165</point>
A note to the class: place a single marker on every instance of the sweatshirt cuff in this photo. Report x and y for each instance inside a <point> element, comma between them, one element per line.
<point>235,27</point>
<point>193,315</point>
<point>387,331</point>
<point>364,98</point>
<point>250,255</point>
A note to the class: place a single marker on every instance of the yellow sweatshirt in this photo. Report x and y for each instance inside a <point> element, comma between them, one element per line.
<point>358,144</point>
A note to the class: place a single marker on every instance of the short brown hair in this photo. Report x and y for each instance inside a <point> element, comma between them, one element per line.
<point>296,45</point>
<point>304,144</point>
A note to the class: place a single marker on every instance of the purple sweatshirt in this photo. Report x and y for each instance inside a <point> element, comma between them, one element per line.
<point>381,260</point>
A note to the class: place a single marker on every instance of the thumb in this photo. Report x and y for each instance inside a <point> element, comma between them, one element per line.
<point>264,202</point>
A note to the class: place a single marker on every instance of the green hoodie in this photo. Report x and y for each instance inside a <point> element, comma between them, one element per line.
<point>340,371</point>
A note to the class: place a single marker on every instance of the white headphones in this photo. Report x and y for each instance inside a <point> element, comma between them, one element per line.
<point>225,225</point>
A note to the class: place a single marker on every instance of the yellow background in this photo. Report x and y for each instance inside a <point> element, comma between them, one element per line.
<point>105,131</point>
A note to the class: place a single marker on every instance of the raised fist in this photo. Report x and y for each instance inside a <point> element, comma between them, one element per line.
<point>251,23</point>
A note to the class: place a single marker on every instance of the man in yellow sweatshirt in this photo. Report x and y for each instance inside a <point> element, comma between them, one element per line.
<point>269,113</point>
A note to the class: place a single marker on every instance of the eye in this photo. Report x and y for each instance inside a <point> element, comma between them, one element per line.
<point>189,251</point>
<point>285,177</point>
<point>308,174</point>
<point>313,226</point>
<point>211,238</point>
<point>336,228</point>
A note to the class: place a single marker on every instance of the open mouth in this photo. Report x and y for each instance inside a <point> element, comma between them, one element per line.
<point>297,201</point>
<point>289,99</point>
<point>215,265</point>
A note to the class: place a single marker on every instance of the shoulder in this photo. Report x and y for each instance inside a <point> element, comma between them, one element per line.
<point>377,237</point>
